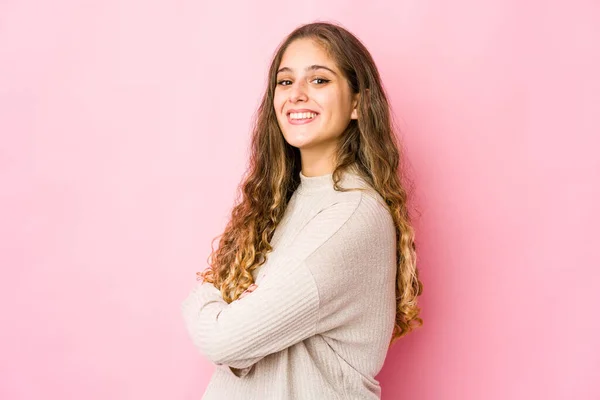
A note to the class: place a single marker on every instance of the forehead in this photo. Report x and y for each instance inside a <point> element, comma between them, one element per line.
<point>304,52</point>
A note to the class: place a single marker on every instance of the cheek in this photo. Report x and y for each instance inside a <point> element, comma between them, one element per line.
<point>339,105</point>
<point>277,101</point>
<point>329,101</point>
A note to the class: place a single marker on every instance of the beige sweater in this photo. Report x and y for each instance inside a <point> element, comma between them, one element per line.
<point>320,321</point>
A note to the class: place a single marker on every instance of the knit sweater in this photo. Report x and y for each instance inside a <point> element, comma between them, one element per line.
<point>319,323</point>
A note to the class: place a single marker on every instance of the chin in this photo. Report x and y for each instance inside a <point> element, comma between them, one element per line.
<point>300,144</point>
<point>297,139</point>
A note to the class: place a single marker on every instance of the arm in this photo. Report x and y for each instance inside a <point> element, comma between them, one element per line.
<point>201,296</point>
<point>281,312</point>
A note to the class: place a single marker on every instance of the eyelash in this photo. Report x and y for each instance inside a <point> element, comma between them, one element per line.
<point>320,79</point>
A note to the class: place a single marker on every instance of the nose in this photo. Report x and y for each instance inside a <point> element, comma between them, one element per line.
<point>298,92</point>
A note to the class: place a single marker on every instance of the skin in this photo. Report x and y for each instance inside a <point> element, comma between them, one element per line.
<point>324,91</point>
<point>248,291</point>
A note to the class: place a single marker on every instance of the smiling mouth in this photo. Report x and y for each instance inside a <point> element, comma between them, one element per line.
<point>301,118</point>
<point>302,115</point>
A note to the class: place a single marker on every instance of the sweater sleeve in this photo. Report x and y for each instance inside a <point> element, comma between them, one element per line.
<point>286,307</point>
<point>279,313</point>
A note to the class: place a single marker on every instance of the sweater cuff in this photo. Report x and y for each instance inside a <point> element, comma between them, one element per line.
<point>237,372</point>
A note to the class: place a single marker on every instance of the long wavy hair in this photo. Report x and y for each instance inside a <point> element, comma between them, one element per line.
<point>368,143</point>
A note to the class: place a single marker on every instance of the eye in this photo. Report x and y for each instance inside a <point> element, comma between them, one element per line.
<point>323,80</point>
<point>287,82</point>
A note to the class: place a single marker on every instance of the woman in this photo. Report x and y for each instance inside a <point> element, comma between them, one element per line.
<point>315,275</point>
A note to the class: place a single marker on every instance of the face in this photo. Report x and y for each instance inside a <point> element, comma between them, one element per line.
<point>313,100</point>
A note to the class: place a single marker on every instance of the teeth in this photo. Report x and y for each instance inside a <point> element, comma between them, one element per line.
<point>302,115</point>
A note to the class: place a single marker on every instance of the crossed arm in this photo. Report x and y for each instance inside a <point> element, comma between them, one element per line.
<point>280,312</point>
<point>286,308</point>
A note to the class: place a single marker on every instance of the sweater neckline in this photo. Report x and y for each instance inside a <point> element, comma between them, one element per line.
<point>324,183</point>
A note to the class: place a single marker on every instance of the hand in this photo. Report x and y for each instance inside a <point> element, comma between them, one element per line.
<point>250,289</point>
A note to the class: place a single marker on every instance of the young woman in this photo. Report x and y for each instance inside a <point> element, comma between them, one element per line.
<point>315,275</point>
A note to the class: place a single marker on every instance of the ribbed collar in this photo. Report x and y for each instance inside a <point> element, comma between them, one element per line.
<point>324,183</point>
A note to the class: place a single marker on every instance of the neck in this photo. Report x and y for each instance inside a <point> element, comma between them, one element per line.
<point>318,161</point>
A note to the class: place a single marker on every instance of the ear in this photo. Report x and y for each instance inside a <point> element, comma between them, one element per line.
<point>354,114</point>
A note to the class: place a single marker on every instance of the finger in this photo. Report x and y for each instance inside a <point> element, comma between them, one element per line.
<point>247,291</point>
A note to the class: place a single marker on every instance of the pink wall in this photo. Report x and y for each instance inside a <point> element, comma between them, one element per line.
<point>124,131</point>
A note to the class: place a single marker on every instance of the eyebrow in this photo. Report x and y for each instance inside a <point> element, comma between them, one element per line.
<point>309,68</point>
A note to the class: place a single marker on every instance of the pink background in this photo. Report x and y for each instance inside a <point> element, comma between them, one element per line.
<point>125,127</point>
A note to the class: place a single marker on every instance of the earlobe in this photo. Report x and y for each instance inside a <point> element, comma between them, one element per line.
<point>354,114</point>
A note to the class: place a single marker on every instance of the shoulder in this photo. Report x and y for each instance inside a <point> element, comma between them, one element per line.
<point>356,219</point>
<point>345,219</point>
<point>364,207</point>
<point>364,241</point>
<point>370,221</point>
